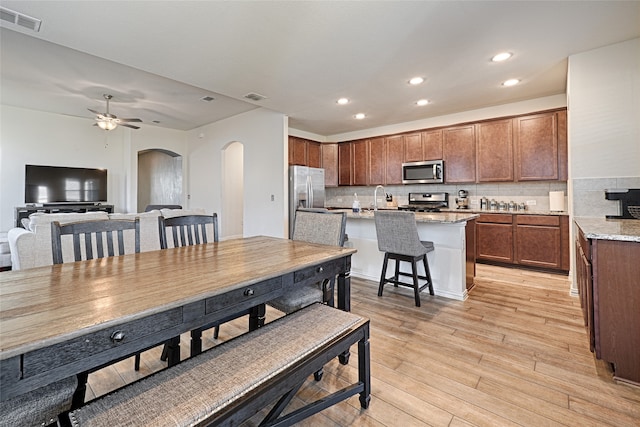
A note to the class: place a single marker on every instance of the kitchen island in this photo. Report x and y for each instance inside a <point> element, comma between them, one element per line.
<point>452,263</point>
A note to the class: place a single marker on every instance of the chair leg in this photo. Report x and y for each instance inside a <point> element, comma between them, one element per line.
<point>384,273</point>
<point>216,332</point>
<point>136,363</point>
<point>427,273</point>
<point>416,286</point>
<point>396,276</point>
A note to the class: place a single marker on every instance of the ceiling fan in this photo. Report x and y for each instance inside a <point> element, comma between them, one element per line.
<point>108,121</point>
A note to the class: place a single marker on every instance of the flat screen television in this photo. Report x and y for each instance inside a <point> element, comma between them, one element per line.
<point>57,184</point>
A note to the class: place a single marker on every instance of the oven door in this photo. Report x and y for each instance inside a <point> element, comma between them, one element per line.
<point>427,172</point>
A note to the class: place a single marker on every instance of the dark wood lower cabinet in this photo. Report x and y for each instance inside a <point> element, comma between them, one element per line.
<point>608,278</point>
<point>540,241</point>
<point>494,238</point>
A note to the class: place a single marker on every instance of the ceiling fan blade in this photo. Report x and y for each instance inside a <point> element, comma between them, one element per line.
<point>94,111</point>
<point>129,126</point>
<point>130,120</point>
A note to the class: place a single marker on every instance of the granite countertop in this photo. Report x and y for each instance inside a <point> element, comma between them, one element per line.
<point>610,229</point>
<point>475,211</point>
<point>433,217</point>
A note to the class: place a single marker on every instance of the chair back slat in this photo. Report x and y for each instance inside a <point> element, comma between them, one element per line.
<point>187,230</point>
<point>95,235</point>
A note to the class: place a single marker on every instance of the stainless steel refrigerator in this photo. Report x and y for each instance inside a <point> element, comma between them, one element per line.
<point>306,190</point>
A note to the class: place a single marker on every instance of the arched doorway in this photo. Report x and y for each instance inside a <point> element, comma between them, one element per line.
<point>159,178</point>
<point>231,224</point>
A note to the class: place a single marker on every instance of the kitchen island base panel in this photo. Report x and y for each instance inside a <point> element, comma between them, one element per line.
<point>447,262</point>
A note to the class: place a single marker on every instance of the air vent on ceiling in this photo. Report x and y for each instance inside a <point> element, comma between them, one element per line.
<point>20,19</point>
<point>207,98</point>
<point>255,96</point>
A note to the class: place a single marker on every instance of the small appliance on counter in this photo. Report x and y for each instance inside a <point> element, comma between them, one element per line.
<point>463,199</point>
<point>426,202</point>
<point>629,202</point>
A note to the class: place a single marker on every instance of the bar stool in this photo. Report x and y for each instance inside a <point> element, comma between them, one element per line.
<point>398,238</point>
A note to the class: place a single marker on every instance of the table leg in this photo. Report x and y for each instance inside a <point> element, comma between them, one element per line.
<point>257,317</point>
<point>344,301</point>
<point>196,342</point>
<point>173,356</point>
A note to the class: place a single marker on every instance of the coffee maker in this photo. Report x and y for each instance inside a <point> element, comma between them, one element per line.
<point>462,201</point>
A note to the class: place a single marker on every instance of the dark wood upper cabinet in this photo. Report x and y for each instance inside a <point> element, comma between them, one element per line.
<point>330,164</point>
<point>532,147</point>
<point>360,162</point>
<point>344,163</point>
<point>314,156</point>
<point>536,147</point>
<point>377,161</point>
<point>394,146</point>
<point>297,151</point>
<point>494,149</point>
<point>563,155</point>
<point>459,154</point>
<point>432,144</point>
<point>413,147</point>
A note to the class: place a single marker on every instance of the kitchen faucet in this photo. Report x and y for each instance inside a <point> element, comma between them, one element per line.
<point>375,197</point>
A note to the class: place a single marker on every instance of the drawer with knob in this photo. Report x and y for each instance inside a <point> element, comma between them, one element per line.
<point>245,296</point>
<point>318,272</point>
<point>92,344</point>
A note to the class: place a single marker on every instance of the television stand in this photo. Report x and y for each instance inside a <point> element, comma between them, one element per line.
<point>25,211</point>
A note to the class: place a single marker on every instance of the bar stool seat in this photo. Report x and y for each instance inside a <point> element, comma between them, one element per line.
<point>398,238</point>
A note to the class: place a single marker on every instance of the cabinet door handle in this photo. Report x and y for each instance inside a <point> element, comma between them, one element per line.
<point>117,336</point>
<point>248,292</point>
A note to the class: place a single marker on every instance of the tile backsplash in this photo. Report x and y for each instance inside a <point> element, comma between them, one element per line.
<point>535,194</point>
<point>588,195</point>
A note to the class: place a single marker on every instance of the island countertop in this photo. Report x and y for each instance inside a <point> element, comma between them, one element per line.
<point>433,217</point>
<point>610,229</point>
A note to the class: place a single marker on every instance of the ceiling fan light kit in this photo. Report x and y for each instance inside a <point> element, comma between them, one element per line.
<point>108,121</point>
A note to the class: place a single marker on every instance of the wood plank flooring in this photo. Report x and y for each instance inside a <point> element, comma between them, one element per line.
<point>515,353</point>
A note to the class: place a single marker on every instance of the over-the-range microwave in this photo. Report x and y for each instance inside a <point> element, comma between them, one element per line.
<point>427,172</point>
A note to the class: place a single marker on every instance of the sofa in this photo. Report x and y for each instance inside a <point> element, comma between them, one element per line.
<point>31,246</point>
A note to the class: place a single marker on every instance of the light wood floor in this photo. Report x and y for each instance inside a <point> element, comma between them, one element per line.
<point>514,354</point>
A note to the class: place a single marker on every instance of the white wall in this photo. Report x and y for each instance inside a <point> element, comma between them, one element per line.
<point>604,126</point>
<point>264,135</point>
<point>34,137</point>
<point>604,111</point>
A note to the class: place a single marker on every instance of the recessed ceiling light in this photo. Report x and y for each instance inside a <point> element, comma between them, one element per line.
<point>416,80</point>
<point>511,82</point>
<point>502,56</point>
<point>343,101</point>
<point>422,102</point>
<point>359,116</point>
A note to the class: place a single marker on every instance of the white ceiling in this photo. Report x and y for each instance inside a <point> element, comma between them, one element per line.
<point>158,58</point>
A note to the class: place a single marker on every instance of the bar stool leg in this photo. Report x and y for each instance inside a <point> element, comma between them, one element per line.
<point>416,285</point>
<point>427,273</point>
<point>384,273</point>
<point>396,276</point>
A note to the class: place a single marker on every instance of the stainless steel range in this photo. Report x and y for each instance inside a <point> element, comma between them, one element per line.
<point>426,202</point>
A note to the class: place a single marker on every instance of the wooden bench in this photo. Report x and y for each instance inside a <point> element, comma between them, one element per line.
<point>233,381</point>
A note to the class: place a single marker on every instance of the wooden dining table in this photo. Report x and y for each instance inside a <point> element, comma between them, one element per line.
<point>68,319</point>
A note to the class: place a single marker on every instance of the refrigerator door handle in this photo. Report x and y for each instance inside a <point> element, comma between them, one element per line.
<point>309,192</point>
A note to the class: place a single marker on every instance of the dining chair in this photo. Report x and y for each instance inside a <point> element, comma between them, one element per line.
<point>397,235</point>
<point>94,239</point>
<point>188,230</point>
<point>313,226</point>
<point>91,240</point>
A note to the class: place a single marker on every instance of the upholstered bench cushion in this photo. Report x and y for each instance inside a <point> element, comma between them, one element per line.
<point>203,385</point>
<point>38,407</point>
